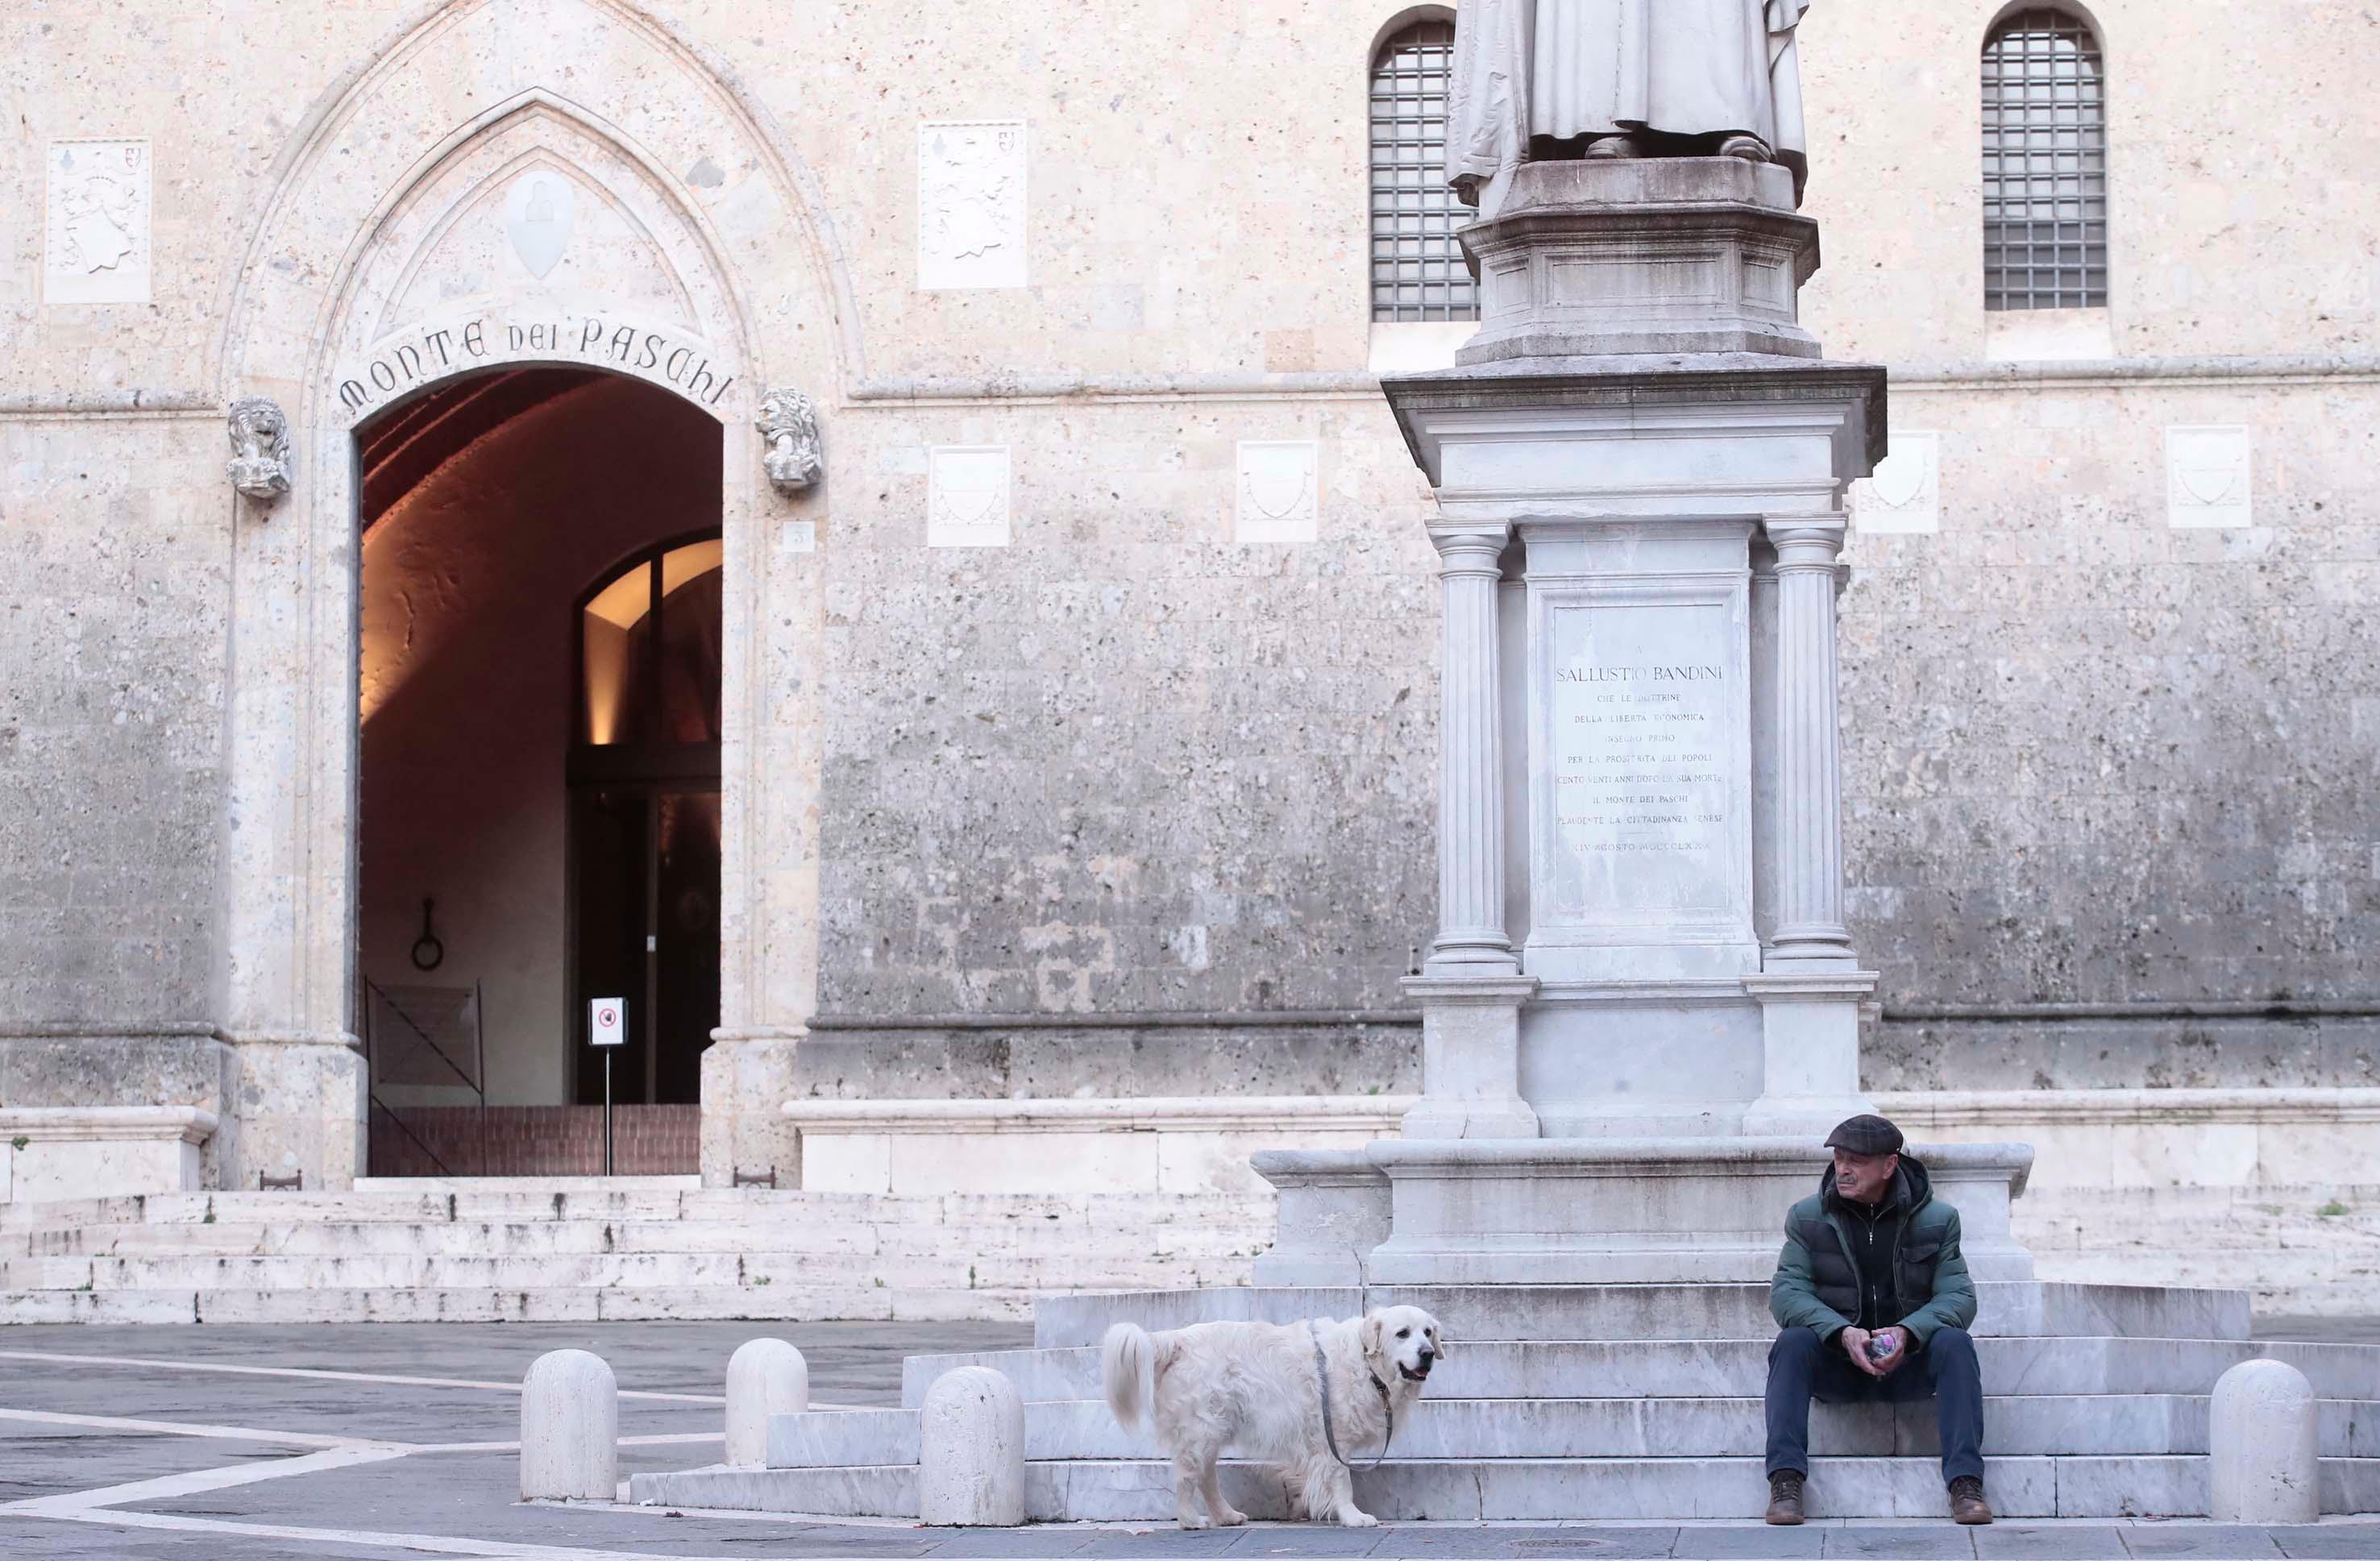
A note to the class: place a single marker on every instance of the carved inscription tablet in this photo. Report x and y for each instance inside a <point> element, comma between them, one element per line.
<point>96,242</point>
<point>1643,710</point>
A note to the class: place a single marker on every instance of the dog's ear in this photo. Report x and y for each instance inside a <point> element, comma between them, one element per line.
<point>1369,1334</point>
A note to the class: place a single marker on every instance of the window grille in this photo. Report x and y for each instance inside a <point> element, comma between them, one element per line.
<point>1417,269</point>
<point>2045,164</point>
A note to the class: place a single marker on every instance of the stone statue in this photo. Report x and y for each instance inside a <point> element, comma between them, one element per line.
<point>788,423</point>
<point>259,448</point>
<point>1538,79</point>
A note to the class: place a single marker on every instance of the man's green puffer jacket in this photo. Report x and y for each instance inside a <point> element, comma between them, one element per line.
<point>1818,1280</point>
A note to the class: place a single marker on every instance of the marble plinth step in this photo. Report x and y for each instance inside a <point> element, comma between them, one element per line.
<point>958,1269</point>
<point>1723,1368</point>
<point>1526,1312</point>
<point>593,1236</point>
<point>1609,1489</point>
<point>1540,1428</point>
<point>774,1303</point>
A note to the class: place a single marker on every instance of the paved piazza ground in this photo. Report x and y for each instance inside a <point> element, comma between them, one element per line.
<point>264,1443</point>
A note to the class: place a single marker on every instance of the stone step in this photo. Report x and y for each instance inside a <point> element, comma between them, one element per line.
<point>1527,1312</point>
<point>960,1270</point>
<point>771,1303</point>
<point>1604,1489</point>
<point>2270,1269</point>
<point>1571,1428</point>
<point>497,1238</point>
<point>1722,1368</point>
<point>531,1200</point>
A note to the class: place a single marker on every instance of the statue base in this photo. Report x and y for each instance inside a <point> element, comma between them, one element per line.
<point>1651,255</point>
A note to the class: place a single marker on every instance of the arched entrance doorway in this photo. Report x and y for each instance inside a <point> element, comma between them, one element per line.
<point>542,582</point>
<point>602,200</point>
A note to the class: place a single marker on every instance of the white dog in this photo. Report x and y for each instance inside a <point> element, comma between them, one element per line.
<point>1262,1386</point>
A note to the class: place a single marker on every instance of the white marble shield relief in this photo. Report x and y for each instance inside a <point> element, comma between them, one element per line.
<point>2206,477</point>
<point>971,211</point>
<point>1277,483</point>
<point>96,240</point>
<point>966,496</point>
<point>537,214</point>
<point>1904,492</point>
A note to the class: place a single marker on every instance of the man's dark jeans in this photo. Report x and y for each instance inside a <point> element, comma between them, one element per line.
<point>1803,1366</point>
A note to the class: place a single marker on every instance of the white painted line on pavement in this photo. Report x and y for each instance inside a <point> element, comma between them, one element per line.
<point>77,1504</point>
<point>436,1544</point>
<point>322,1376</point>
<point>181,1428</point>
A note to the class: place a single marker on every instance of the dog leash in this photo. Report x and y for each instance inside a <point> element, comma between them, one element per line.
<point>1322,1386</point>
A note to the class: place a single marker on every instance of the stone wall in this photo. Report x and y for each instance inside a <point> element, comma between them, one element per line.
<point>2095,759</point>
<point>113,612</point>
<point>1125,766</point>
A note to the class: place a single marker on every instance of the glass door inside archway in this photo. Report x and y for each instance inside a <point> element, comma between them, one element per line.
<point>645,820</point>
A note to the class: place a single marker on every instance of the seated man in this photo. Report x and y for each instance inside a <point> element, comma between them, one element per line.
<point>1875,1302</point>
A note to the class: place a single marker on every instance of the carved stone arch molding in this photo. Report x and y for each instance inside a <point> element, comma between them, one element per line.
<point>505,182</point>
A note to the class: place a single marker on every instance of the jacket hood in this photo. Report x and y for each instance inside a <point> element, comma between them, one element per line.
<point>1911,1188</point>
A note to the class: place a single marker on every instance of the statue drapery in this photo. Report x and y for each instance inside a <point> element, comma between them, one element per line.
<point>1563,69</point>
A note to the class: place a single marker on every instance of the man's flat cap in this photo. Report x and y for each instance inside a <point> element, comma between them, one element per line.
<point>1865,1135</point>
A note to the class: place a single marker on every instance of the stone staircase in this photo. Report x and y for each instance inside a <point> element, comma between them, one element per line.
<point>1624,1403</point>
<point>579,1249</point>
<point>591,1248</point>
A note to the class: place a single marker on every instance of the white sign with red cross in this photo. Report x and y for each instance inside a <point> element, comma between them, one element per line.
<point>607,1022</point>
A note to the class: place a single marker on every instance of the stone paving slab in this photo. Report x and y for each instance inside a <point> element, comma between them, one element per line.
<point>2051,1542</point>
<point>43,1461</point>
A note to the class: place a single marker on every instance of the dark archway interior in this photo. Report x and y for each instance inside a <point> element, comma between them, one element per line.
<point>492,508</point>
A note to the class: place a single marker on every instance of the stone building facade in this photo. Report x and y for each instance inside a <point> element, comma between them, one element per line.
<point>1074,730</point>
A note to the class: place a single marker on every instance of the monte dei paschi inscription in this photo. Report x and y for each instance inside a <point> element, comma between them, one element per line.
<point>431,352</point>
<point>1645,764</point>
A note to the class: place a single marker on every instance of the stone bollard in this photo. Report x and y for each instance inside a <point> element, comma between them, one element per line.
<point>2263,1465</point>
<point>765,1376</point>
<point>570,1429</point>
<point>971,1451</point>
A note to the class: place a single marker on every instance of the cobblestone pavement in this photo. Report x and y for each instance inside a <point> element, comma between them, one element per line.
<point>274,1443</point>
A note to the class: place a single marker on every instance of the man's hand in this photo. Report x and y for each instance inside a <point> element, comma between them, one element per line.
<point>1854,1342</point>
<point>1906,1342</point>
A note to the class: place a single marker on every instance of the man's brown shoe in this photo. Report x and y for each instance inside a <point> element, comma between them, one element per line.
<point>1967,1503</point>
<point>1785,1498</point>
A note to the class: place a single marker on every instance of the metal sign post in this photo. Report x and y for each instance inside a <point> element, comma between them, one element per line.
<point>607,1027</point>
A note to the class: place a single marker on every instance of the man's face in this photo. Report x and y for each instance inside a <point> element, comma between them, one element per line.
<point>1863,1178</point>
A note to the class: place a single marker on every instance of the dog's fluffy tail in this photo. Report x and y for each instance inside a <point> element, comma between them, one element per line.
<point>1129,1371</point>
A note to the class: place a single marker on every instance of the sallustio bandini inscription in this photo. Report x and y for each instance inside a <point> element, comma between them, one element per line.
<point>1640,739</point>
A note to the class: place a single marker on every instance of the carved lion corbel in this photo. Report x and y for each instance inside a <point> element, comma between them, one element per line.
<point>259,448</point>
<point>788,425</point>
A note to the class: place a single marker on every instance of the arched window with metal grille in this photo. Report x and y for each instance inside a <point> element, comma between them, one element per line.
<point>1417,269</point>
<point>2045,163</point>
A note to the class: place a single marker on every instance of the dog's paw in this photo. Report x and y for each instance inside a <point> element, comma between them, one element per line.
<point>1350,1519</point>
<point>1197,1522</point>
<point>1231,1518</point>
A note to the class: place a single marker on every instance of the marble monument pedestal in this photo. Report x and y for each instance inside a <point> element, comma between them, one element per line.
<point>1555,1211</point>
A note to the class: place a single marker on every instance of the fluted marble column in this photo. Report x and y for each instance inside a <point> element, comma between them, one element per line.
<point>1471,938</point>
<point>1808,854</point>
<point>1470,989</point>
